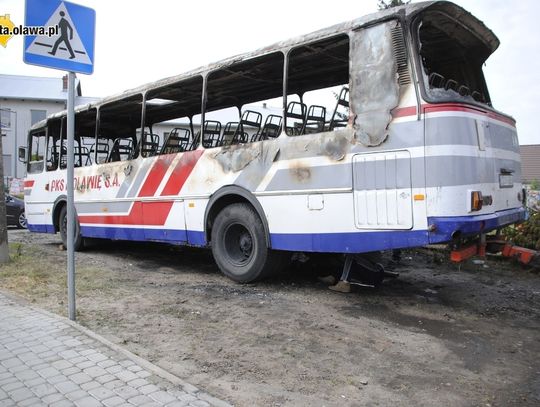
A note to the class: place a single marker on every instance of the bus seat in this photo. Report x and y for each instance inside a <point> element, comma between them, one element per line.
<point>337,119</point>
<point>100,147</point>
<point>82,156</point>
<point>149,144</point>
<point>195,142</point>
<point>211,134</point>
<point>121,150</point>
<point>177,141</point>
<point>297,112</point>
<point>229,133</point>
<point>249,119</point>
<point>436,80</point>
<point>451,84</point>
<point>315,119</point>
<point>272,127</point>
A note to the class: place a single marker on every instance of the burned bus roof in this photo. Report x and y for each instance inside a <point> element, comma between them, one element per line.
<point>407,12</point>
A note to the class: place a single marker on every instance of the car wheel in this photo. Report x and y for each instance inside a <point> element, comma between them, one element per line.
<point>239,245</point>
<point>21,220</point>
<point>78,242</point>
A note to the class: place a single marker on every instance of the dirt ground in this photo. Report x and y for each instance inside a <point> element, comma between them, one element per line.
<point>435,336</point>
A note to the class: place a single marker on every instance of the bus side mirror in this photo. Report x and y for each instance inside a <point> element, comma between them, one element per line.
<point>22,154</point>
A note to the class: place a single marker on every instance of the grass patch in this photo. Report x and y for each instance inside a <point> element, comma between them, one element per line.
<point>34,275</point>
<point>29,274</point>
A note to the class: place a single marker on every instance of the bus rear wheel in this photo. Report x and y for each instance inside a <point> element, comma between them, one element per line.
<point>239,245</point>
<point>78,242</point>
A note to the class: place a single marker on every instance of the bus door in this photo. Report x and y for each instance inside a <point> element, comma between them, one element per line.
<point>383,190</point>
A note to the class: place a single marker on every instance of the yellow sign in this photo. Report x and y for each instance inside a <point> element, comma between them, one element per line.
<point>6,28</point>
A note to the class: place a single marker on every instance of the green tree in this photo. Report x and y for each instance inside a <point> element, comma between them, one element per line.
<point>383,5</point>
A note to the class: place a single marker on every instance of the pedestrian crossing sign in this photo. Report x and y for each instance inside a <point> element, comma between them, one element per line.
<point>71,45</point>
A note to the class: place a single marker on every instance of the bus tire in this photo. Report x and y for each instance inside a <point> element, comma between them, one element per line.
<point>78,243</point>
<point>239,245</point>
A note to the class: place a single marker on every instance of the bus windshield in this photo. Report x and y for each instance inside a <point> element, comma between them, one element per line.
<point>452,56</point>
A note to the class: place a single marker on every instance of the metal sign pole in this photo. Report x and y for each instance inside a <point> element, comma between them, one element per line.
<point>70,202</point>
<point>44,50</point>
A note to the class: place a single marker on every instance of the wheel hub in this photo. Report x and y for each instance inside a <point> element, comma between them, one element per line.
<point>245,244</point>
<point>239,244</point>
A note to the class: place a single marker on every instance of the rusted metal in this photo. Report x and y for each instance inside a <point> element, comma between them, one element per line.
<point>521,254</point>
<point>464,253</point>
<point>495,245</point>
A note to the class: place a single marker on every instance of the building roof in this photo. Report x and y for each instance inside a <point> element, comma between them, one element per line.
<point>35,88</point>
<point>530,162</point>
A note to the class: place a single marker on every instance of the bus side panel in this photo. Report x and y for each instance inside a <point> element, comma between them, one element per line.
<point>139,200</point>
<point>326,229</point>
<point>327,217</point>
<point>38,203</point>
<point>383,190</point>
<point>468,150</point>
<point>39,218</point>
<point>194,216</point>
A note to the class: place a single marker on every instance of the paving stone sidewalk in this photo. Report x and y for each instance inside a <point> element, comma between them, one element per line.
<point>47,361</point>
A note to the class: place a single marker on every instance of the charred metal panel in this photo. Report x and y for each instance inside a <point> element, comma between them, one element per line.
<point>255,170</point>
<point>237,157</point>
<point>374,82</point>
<point>310,177</point>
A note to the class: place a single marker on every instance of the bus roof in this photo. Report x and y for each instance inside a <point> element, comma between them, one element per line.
<point>405,12</point>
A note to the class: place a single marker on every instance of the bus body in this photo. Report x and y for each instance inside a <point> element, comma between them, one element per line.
<point>418,155</point>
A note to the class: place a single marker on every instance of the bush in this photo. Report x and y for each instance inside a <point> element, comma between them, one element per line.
<point>526,234</point>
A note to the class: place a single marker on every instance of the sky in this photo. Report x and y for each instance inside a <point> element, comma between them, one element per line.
<point>139,42</point>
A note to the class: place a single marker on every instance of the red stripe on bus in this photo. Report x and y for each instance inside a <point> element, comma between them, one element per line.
<point>141,213</point>
<point>451,107</point>
<point>181,172</point>
<point>404,112</point>
<point>155,176</point>
<point>28,184</point>
<point>151,213</point>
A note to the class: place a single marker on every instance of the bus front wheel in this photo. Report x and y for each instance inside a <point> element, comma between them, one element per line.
<point>239,245</point>
<point>78,241</point>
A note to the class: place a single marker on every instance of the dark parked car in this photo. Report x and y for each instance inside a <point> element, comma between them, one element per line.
<point>15,212</point>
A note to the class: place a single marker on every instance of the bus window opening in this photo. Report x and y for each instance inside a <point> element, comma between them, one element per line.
<point>452,56</point>
<point>314,89</point>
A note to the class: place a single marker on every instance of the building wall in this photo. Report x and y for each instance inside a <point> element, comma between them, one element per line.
<point>20,124</point>
<point>530,162</point>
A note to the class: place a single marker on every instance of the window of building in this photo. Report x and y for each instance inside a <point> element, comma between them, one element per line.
<point>37,116</point>
<point>5,119</point>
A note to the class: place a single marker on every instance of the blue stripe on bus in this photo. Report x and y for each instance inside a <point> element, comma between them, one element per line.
<point>138,234</point>
<point>470,225</point>
<point>192,237</point>
<point>358,242</point>
<point>40,228</point>
<point>353,242</point>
